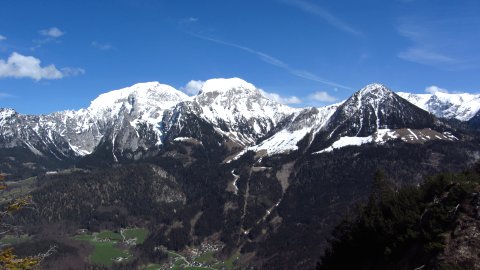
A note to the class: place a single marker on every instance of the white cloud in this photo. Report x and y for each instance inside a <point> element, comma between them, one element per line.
<point>2,37</point>
<point>21,66</point>
<point>53,32</point>
<point>193,87</point>
<point>278,98</point>
<point>434,89</point>
<point>102,46</point>
<point>322,96</point>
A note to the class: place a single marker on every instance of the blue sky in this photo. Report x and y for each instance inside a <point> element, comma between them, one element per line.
<point>57,55</point>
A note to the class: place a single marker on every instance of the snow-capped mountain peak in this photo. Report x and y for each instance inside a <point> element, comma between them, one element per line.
<point>6,112</point>
<point>149,94</point>
<point>236,109</point>
<point>375,91</point>
<point>375,107</point>
<point>370,98</point>
<point>374,87</point>
<point>224,85</point>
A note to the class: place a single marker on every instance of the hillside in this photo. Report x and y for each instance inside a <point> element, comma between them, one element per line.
<point>431,226</point>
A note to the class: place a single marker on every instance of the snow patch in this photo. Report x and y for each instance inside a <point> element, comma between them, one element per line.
<point>182,139</point>
<point>346,141</point>
<point>281,142</point>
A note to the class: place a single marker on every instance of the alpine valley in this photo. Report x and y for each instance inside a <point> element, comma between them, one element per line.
<point>226,178</point>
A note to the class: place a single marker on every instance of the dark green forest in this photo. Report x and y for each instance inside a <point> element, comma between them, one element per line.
<point>430,226</point>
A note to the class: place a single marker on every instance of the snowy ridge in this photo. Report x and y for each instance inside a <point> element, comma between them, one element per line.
<point>307,121</point>
<point>459,106</point>
<point>142,104</point>
<point>149,98</point>
<point>138,108</point>
<point>238,109</point>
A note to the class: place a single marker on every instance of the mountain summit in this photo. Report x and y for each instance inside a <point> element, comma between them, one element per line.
<point>224,85</point>
<point>376,107</point>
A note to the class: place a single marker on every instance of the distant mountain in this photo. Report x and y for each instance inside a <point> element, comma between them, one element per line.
<point>459,106</point>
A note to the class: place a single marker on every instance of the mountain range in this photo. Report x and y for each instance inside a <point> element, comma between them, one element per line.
<point>136,120</point>
<point>265,181</point>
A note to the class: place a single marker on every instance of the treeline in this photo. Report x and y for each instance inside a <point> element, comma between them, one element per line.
<point>411,228</point>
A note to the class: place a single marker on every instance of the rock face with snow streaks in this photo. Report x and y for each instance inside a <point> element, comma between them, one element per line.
<point>128,118</point>
<point>373,111</point>
<point>238,110</point>
<point>377,107</point>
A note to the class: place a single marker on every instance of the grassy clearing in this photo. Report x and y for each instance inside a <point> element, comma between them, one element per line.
<point>84,237</point>
<point>105,253</point>
<point>109,235</point>
<point>139,233</point>
<point>106,250</point>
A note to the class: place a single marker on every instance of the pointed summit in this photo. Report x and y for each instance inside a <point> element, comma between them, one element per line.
<point>373,108</point>
<point>374,91</point>
<point>375,87</point>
